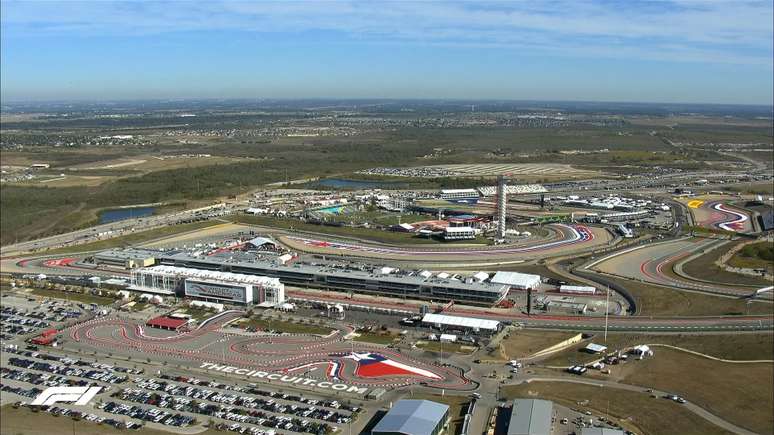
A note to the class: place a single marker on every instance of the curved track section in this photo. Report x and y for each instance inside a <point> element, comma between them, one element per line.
<point>351,362</point>
<point>733,220</point>
<point>565,236</point>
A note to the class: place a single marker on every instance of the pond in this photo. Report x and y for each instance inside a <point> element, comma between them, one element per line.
<point>120,214</point>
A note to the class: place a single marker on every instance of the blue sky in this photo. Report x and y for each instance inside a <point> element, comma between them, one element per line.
<point>604,50</point>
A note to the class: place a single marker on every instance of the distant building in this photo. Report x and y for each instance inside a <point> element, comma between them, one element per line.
<point>460,195</point>
<point>168,323</point>
<point>459,233</point>
<point>413,417</point>
<point>126,258</point>
<point>531,417</point>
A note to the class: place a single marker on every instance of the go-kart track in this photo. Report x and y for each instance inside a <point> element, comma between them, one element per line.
<point>562,238</point>
<point>306,360</point>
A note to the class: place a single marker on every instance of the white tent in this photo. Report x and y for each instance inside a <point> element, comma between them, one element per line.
<point>517,280</point>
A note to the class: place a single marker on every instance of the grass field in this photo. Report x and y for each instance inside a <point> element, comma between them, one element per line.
<point>740,393</point>
<point>444,348</point>
<point>654,300</point>
<point>704,267</point>
<point>755,256</point>
<point>388,237</point>
<point>634,411</point>
<point>135,238</point>
<point>374,337</point>
<point>740,347</point>
<point>284,326</point>
<point>523,343</point>
<point>73,296</point>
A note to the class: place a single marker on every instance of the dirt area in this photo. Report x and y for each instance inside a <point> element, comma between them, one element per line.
<point>634,411</point>
<point>746,398</point>
<point>521,344</point>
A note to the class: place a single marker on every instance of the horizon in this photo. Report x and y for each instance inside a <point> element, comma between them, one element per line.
<point>366,99</point>
<point>665,52</point>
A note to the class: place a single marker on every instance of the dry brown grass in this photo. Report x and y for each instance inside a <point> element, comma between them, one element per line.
<point>739,393</point>
<point>523,343</point>
<point>634,411</point>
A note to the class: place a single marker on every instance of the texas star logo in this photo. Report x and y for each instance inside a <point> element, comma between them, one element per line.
<point>372,365</point>
<point>79,395</point>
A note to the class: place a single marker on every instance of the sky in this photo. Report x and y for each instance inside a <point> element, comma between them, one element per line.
<point>689,51</point>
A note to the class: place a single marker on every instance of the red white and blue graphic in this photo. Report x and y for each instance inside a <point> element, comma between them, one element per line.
<point>374,365</point>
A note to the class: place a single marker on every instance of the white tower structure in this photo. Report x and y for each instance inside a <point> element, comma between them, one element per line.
<point>501,206</point>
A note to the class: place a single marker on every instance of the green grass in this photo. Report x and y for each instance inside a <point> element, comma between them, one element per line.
<point>380,236</point>
<point>285,326</point>
<point>73,296</point>
<point>373,337</point>
<point>704,267</point>
<point>653,300</point>
<point>755,256</point>
<point>436,346</point>
<point>135,238</point>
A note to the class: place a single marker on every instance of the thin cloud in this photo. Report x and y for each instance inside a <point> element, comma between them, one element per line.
<point>736,32</point>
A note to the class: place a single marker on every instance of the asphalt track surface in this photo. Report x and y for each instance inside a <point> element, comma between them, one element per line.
<point>563,237</point>
<point>322,358</point>
<point>653,263</point>
<point>572,323</point>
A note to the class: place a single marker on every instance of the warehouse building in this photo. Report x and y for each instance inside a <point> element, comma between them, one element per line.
<point>397,283</point>
<point>413,417</point>
<point>531,417</point>
<point>521,281</point>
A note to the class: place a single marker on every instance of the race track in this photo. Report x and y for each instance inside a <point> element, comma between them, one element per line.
<point>562,239</point>
<point>653,263</point>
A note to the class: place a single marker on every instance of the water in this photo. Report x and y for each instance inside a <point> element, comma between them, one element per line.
<point>342,183</point>
<point>120,214</point>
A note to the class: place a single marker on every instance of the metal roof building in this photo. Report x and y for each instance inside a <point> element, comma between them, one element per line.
<point>531,417</point>
<point>413,417</point>
<point>461,322</point>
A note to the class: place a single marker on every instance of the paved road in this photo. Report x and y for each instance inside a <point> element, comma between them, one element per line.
<point>617,324</point>
<point>696,409</point>
<point>115,228</point>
